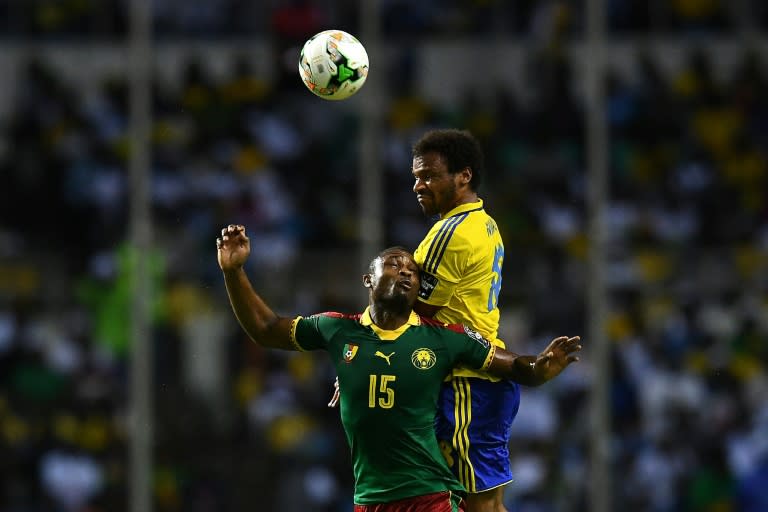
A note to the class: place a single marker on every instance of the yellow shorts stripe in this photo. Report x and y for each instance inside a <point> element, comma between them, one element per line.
<point>462,419</point>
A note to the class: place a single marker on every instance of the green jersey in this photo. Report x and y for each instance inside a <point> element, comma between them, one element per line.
<point>390,382</point>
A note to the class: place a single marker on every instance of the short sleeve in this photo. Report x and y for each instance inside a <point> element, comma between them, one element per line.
<point>474,351</point>
<point>442,258</point>
<point>307,333</point>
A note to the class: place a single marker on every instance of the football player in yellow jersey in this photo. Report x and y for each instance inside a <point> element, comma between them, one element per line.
<point>461,260</point>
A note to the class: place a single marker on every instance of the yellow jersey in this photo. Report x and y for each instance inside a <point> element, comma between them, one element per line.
<point>460,261</point>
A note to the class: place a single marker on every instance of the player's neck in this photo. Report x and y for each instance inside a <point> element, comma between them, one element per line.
<point>463,198</point>
<point>387,318</point>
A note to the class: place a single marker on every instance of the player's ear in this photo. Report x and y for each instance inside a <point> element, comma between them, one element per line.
<point>465,176</point>
<point>367,280</point>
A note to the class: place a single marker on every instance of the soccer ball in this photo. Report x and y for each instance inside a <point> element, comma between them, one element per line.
<point>333,64</point>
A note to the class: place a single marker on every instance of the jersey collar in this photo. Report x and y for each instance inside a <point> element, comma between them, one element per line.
<point>463,208</point>
<point>366,320</point>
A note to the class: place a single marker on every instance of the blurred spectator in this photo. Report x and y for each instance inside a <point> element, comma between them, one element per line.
<point>687,267</point>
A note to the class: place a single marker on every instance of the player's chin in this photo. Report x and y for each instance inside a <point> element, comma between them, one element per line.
<point>399,297</point>
<point>409,295</point>
<point>399,292</point>
<point>427,207</point>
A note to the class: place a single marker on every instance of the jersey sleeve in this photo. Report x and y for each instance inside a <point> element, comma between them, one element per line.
<point>442,256</point>
<point>307,333</point>
<point>473,351</point>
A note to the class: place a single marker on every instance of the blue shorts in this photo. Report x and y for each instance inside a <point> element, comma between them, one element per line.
<point>472,424</point>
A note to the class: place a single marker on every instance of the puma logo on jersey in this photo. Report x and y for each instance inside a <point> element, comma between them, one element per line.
<point>384,357</point>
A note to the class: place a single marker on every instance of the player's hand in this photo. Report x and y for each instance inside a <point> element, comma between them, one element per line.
<point>336,394</point>
<point>233,247</point>
<point>556,357</point>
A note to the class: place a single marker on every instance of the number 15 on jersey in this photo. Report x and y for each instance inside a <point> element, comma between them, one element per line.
<point>379,392</point>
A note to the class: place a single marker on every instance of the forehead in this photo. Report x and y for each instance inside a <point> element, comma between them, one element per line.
<point>397,255</point>
<point>432,161</point>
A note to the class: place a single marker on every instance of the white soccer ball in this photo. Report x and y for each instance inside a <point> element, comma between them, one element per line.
<point>333,64</point>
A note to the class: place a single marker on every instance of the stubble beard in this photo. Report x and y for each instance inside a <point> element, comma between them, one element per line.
<point>437,209</point>
<point>397,302</point>
<point>429,209</point>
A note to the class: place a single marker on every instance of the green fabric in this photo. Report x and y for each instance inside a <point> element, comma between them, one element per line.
<point>389,394</point>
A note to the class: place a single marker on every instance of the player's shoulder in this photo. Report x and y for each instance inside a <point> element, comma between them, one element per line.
<point>460,330</point>
<point>337,315</point>
<point>474,335</point>
<point>479,218</point>
<point>451,230</point>
<point>427,321</point>
<point>431,322</point>
<point>472,223</point>
<point>442,327</point>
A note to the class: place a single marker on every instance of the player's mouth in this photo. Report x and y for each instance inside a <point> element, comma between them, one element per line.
<point>405,283</point>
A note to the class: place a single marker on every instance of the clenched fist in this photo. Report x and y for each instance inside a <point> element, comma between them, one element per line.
<point>233,247</point>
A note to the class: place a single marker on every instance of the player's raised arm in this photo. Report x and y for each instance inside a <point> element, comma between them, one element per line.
<point>536,370</point>
<point>255,316</point>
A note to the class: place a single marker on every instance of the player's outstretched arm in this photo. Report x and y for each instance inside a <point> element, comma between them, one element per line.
<point>256,318</point>
<point>536,370</point>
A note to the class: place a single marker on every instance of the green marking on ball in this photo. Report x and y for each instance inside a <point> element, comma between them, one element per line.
<point>344,73</point>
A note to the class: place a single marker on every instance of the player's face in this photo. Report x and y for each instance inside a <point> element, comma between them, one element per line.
<point>435,187</point>
<point>395,276</point>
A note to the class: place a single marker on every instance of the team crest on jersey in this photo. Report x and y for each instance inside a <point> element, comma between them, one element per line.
<point>423,358</point>
<point>350,351</point>
<point>477,337</point>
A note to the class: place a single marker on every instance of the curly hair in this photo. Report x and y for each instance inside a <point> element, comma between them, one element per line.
<point>459,149</point>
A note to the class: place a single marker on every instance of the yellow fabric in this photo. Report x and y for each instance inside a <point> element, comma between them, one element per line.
<point>384,334</point>
<point>294,342</point>
<point>462,255</point>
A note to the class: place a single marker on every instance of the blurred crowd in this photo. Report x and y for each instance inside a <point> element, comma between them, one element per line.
<point>109,19</point>
<point>687,269</point>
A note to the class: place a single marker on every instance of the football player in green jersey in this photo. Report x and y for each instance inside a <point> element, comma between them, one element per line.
<point>391,363</point>
<point>461,259</point>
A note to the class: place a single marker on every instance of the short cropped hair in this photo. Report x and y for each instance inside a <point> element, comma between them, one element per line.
<point>384,253</point>
<point>459,149</point>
